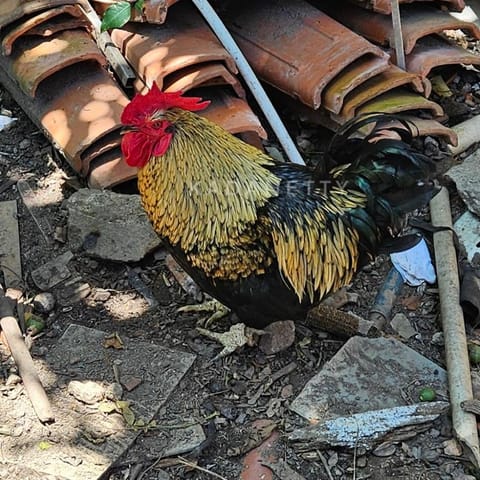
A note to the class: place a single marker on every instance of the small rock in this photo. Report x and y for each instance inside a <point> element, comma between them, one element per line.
<point>437,339</point>
<point>332,459</point>
<point>73,293</point>
<point>238,387</point>
<point>87,391</point>
<point>60,234</point>
<point>41,351</point>
<point>452,447</point>
<point>44,302</point>
<point>385,450</point>
<point>100,295</point>
<point>25,144</point>
<point>402,326</point>
<point>287,391</point>
<point>448,468</point>
<point>114,392</point>
<point>53,272</point>
<point>184,440</point>
<point>13,379</point>
<point>130,383</point>
<point>229,412</point>
<point>278,337</point>
<point>362,461</point>
<point>162,475</point>
<point>430,455</point>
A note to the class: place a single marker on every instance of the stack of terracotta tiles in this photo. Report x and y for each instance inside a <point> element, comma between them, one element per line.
<point>335,60</point>
<point>336,57</point>
<point>56,72</point>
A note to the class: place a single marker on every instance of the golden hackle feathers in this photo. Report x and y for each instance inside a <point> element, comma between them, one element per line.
<point>204,196</point>
<point>315,253</point>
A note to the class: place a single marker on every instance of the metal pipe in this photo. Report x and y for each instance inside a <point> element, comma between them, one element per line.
<point>456,351</point>
<point>251,80</point>
<point>385,299</point>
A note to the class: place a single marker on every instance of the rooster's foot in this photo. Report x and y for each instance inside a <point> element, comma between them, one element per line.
<point>238,336</point>
<point>219,311</point>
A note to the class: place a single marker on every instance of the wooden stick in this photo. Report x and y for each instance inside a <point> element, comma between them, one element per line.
<point>338,322</point>
<point>24,361</point>
<point>458,366</point>
<point>117,61</point>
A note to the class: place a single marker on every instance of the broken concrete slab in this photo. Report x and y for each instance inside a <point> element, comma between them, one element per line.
<point>368,374</point>
<point>109,225</point>
<point>363,430</point>
<point>467,228</point>
<point>10,260</point>
<point>466,179</point>
<point>86,439</point>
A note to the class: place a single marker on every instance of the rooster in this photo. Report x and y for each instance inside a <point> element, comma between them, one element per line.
<point>268,239</point>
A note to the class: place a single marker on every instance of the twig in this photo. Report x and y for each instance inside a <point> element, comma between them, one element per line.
<point>137,283</point>
<point>325,464</point>
<point>185,462</point>
<point>24,361</point>
<point>28,195</point>
<point>151,467</point>
<point>114,56</point>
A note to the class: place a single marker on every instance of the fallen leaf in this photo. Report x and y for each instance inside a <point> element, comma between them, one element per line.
<point>256,433</point>
<point>113,340</point>
<point>44,445</point>
<point>412,302</point>
<point>127,413</point>
<point>440,87</point>
<point>145,427</point>
<point>107,407</point>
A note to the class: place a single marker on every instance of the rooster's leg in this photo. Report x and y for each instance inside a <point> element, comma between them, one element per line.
<point>217,310</point>
<point>238,336</point>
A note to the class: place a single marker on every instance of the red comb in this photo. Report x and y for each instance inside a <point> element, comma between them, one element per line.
<point>143,106</point>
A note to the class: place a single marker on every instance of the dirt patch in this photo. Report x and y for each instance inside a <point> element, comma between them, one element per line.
<point>226,395</point>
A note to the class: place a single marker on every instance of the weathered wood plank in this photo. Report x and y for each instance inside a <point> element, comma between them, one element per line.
<point>10,260</point>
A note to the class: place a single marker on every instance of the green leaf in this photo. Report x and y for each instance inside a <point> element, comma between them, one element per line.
<point>116,16</point>
<point>139,5</point>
